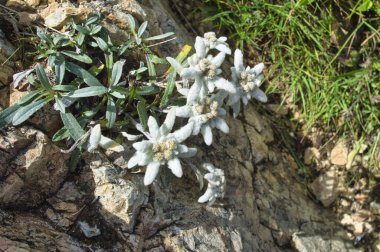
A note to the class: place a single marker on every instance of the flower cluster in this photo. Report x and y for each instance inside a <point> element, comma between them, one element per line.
<point>207,102</point>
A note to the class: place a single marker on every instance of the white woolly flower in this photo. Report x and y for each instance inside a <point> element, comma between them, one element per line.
<point>162,147</point>
<point>206,113</point>
<point>216,184</point>
<point>248,80</point>
<point>219,44</point>
<point>205,70</point>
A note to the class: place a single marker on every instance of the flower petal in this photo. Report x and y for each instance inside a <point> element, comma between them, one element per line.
<point>194,91</point>
<point>184,111</point>
<point>133,161</point>
<point>167,126</point>
<point>176,167</point>
<point>221,125</point>
<point>223,48</point>
<point>189,73</point>
<point>218,59</point>
<point>258,94</point>
<point>142,146</point>
<point>236,109</point>
<point>144,159</point>
<point>183,133</point>
<point>258,68</point>
<point>238,61</point>
<point>151,172</point>
<point>200,47</point>
<point>206,196</point>
<point>185,152</point>
<point>207,134</point>
<point>224,84</point>
<point>153,127</point>
<point>94,138</point>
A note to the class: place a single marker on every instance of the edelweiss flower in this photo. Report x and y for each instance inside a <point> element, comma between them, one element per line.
<point>212,42</point>
<point>206,114</point>
<point>162,147</point>
<point>216,184</point>
<point>205,70</point>
<point>248,81</point>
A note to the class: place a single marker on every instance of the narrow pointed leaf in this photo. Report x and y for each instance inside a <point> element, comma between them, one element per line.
<point>7,114</point>
<point>79,57</point>
<point>131,22</point>
<point>142,28</point>
<point>42,77</point>
<point>27,98</point>
<point>161,36</point>
<point>102,44</point>
<point>72,125</point>
<point>87,77</point>
<point>88,92</point>
<point>111,112</point>
<point>117,70</point>
<point>143,114</point>
<point>151,68</point>
<point>27,111</point>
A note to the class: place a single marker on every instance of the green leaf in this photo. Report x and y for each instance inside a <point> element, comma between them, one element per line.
<point>62,133</point>
<point>80,38</point>
<point>27,111</point>
<point>33,94</point>
<point>42,77</point>
<point>121,90</point>
<point>161,36</point>
<point>64,88</point>
<point>81,29</point>
<point>79,57</point>
<point>60,105</point>
<point>88,92</point>
<point>169,89</point>
<point>88,78</point>
<point>109,144</point>
<point>143,114</point>
<point>60,67</point>
<point>74,159</point>
<point>365,6</point>
<point>124,47</point>
<point>151,69</point>
<point>72,125</point>
<point>6,116</point>
<point>101,43</point>
<point>132,23</point>
<point>93,19</point>
<point>147,90</point>
<point>117,95</point>
<point>117,70</point>
<point>142,29</point>
<point>111,112</point>
<point>96,29</point>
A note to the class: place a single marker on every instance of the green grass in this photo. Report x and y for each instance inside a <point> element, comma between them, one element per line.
<point>323,55</point>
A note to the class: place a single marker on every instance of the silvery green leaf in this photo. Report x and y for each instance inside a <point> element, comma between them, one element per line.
<point>96,29</point>
<point>59,104</point>
<point>131,22</point>
<point>109,144</point>
<point>111,112</point>
<point>175,64</point>
<point>42,77</point>
<point>147,90</point>
<point>72,125</point>
<point>81,29</point>
<point>88,92</point>
<point>93,19</point>
<point>142,29</point>
<point>27,98</point>
<point>94,138</point>
<point>27,111</point>
<point>64,88</point>
<point>102,44</point>
<point>6,115</point>
<point>77,56</point>
<point>87,77</point>
<point>161,36</point>
<point>117,95</point>
<point>151,68</point>
<point>60,67</point>
<point>117,70</point>
<point>18,77</point>
<point>143,114</point>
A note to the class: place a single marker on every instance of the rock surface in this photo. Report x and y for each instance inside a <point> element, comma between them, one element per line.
<point>266,207</point>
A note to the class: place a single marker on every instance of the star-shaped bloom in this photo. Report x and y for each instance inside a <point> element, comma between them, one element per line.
<point>162,147</point>
<point>216,184</point>
<point>219,44</point>
<point>206,113</point>
<point>248,80</point>
<point>205,70</point>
